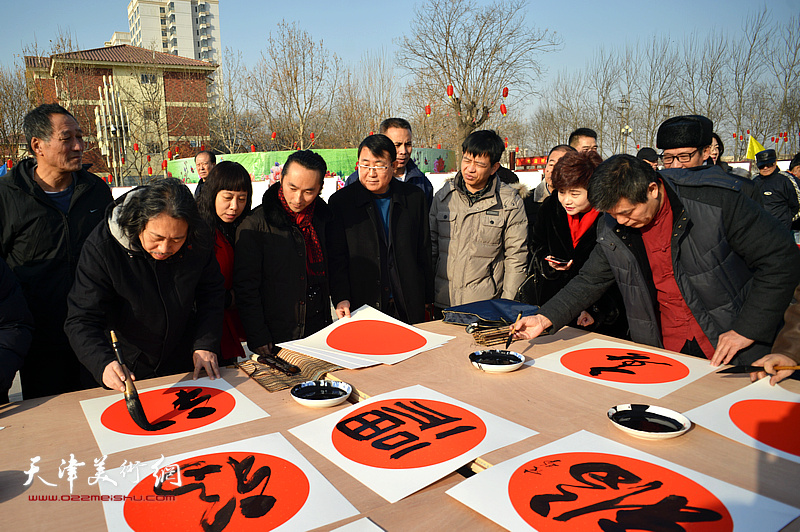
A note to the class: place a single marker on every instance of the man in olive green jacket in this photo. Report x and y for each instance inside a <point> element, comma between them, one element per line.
<point>478,229</point>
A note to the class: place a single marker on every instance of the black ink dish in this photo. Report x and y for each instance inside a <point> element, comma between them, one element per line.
<point>496,360</point>
<point>320,394</point>
<point>649,422</point>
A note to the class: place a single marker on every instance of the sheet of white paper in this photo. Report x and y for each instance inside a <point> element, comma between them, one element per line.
<point>324,504</point>
<point>401,476</point>
<point>716,416</point>
<point>665,363</point>
<point>345,361</point>
<point>362,525</point>
<point>488,492</point>
<point>110,441</point>
<point>319,341</point>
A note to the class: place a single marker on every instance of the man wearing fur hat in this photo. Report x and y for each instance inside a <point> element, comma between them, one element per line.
<point>686,143</point>
<point>780,192</point>
<point>478,229</point>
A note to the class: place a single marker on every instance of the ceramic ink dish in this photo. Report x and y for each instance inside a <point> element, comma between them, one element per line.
<point>649,422</point>
<point>321,394</point>
<point>496,360</point>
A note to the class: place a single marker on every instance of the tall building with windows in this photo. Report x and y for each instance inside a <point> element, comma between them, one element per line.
<point>187,28</point>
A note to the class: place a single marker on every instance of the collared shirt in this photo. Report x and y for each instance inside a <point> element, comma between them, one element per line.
<point>473,197</point>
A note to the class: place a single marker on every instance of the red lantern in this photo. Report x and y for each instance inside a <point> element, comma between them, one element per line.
<point>785,133</point>
<point>748,131</point>
<point>169,154</point>
<point>772,139</point>
<point>428,109</point>
<point>202,147</point>
<point>110,178</point>
<point>135,146</point>
<point>274,135</point>
<point>311,136</point>
<point>439,146</point>
<point>149,170</point>
<point>164,164</point>
<point>9,164</point>
<point>516,150</point>
<point>503,109</point>
<point>734,136</point>
<point>505,92</point>
<point>637,147</point>
<point>169,174</point>
<point>741,137</point>
<point>785,139</point>
<point>371,133</point>
<point>449,91</point>
<point>148,158</point>
<point>123,160</point>
<point>252,147</point>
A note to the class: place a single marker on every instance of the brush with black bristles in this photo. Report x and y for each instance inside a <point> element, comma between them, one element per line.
<point>132,397</point>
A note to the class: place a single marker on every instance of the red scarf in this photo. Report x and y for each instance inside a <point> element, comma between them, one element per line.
<point>578,225</point>
<point>303,219</point>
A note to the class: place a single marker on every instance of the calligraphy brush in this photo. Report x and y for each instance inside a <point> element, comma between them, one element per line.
<point>511,334</point>
<point>753,369</point>
<point>132,397</point>
<point>276,362</point>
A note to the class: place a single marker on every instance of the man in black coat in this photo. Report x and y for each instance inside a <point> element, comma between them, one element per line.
<point>780,192</point>
<point>280,275</point>
<point>702,269</point>
<point>48,207</point>
<point>381,253</point>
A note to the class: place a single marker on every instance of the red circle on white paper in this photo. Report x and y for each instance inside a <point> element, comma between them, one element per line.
<point>767,421</point>
<point>373,337</point>
<point>657,369</point>
<point>287,484</point>
<point>157,406</point>
<point>543,476</point>
<point>440,449</point>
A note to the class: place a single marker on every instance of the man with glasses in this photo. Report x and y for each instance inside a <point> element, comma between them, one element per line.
<point>702,270</point>
<point>478,229</point>
<point>686,143</point>
<point>380,248</point>
<point>399,132</point>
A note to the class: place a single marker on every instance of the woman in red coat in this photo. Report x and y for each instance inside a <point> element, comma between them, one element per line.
<point>223,203</point>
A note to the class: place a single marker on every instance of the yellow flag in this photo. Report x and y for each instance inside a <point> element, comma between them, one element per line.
<point>753,147</point>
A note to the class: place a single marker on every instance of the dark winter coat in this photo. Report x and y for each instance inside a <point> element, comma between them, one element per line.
<point>780,195</point>
<point>42,245</point>
<point>162,310</point>
<point>735,266</point>
<point>16,325</point>
<point>269,277</point>
<point>355,252</point>
<point>551,236</point>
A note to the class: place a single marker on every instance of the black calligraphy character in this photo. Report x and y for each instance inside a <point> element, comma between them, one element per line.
<point>629,360</point>
<point>190,399</point>
<point>197,471</point>
<point>660,517</point>
<point>255,505</point>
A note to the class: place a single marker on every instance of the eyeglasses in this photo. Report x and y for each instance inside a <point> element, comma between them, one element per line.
<point>376,168</point>
<point>683,157</point>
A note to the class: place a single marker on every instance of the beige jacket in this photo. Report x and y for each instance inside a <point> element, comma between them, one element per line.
<point>479,252</point>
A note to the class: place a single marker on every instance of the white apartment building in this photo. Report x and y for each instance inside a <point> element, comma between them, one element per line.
<point>188,28</point>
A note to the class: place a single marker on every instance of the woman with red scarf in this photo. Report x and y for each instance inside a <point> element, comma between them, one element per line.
<point>223,204</point>
<point>281,272</point>
<point>564,235</point>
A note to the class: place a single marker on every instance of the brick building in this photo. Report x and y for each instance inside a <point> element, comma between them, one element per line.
<point>163,97</point>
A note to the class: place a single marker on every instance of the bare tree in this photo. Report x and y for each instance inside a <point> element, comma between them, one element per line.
<point>14,105</point>
<point>228,120</point>
<point>294,84</point>
<point>784,69</point>
<point>478,49</point>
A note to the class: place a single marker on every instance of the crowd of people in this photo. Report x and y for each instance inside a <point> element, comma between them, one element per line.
<point>676,250</point>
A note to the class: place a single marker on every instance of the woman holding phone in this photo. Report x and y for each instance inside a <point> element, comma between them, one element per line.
<point>564,234</point>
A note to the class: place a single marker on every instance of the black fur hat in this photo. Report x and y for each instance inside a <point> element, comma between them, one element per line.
<point>795,161</point>
<point>689,131</point>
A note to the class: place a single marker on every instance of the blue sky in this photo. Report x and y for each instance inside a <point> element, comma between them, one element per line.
<point>370,25</point>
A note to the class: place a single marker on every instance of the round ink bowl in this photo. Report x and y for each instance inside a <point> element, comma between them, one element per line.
<point>649,422</point>
<point>321,394</point>
<point>496,360</point>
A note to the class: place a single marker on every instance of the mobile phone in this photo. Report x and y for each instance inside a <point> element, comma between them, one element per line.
<point>557,261</point>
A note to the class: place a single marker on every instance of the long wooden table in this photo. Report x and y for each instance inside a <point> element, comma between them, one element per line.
<point>553,405</point>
